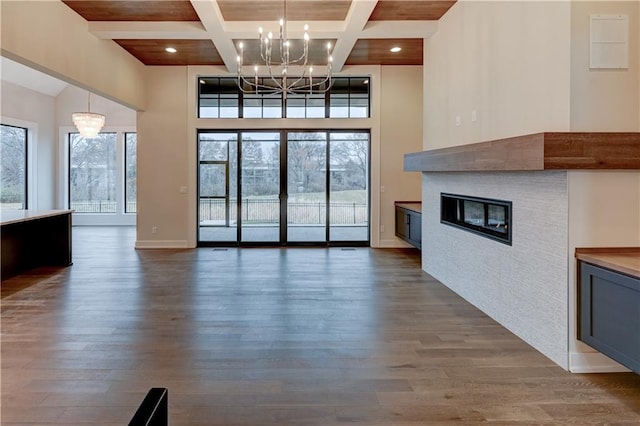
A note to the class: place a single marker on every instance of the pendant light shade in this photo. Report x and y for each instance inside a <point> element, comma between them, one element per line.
<point>88,123</point>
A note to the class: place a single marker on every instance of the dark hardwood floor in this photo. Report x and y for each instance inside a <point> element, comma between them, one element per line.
<point>274,337</point>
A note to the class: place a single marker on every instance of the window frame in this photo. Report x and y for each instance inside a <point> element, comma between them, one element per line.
<point>350,95</point>
<point>125,201</point>
<point>27,157</point>
<point>119,218</point>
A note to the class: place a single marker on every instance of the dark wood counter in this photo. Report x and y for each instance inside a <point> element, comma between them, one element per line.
<point>621,259</point>
<point>31,239</point>
<point>538,151</point>
<point>409,222</point>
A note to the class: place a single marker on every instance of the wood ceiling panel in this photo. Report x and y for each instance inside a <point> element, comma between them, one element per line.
<point>376,52</point>
<point>272,10</point>
<point>410,10</point>
<point>190,52</point>
<point>134,10</point>
<point>317,51</point>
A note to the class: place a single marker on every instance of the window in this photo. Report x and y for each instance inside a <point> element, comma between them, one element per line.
<point>349,98</point>
<point>92,173</point>
<point>13,167</point>
<point>220,97</point>
<point>130,170</point>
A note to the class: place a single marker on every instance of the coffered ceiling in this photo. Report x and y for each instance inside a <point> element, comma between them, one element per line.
<point>207,32</point>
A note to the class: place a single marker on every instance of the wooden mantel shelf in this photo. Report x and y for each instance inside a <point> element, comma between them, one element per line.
<point>538,151</point>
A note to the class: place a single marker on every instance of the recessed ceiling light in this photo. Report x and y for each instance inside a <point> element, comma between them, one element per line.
<point>171,49</point>
<point>395,49</point>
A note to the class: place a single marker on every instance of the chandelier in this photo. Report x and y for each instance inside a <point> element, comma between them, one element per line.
<point>88,123</point>
<point>291,56</point>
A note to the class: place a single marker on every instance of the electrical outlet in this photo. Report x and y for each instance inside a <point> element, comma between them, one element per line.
<point>382,189</point>
<point>154,229</point>
<point>458,121</point>
<point>381,228</point>
<point>474,116</point>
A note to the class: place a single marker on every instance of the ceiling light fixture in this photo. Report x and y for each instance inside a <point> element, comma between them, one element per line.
<point>88,123</point>
<point>171,49</point>
<point>278,80</point>
<point>395,49</point>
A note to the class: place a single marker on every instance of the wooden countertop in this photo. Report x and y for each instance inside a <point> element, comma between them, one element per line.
<point>622,259</point>
<point>14,216</point>
<point>538,151</point>
<point>415,206</point>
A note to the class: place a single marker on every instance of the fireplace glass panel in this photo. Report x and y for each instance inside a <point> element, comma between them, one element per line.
<point>487,217</point>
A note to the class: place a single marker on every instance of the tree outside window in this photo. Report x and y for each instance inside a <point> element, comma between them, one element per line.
<point>13,168</point>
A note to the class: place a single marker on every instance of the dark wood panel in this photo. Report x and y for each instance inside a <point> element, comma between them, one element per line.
<point>622,259</point>
<point>134,10</point>
<point>517,153</point>
<point>592,150</point>
<point>190,52</point>
<point>30,244</point>
<point>273,10</point>
<point>410,10</point>
<point>377,52</point>
<point>539,151</point>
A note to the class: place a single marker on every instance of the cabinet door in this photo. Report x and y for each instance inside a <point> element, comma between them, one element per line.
<point>609,317</point>
<point>415,229</point>
<point>401,223</point>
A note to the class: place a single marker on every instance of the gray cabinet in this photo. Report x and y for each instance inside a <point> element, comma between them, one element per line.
<point>409,223</point>
<point>609,313</point>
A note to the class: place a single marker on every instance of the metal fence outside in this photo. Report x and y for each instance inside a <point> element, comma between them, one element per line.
<point>268,211</point>
<point>254,211</point>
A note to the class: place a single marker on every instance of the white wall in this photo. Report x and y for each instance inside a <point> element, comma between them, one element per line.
<point>508,61</point>
<point>167,132</point>
<point>163,167</point>
<point>50,37</point>
<point>603,99</point>
<point>35,111</point>
<point>400,133</point>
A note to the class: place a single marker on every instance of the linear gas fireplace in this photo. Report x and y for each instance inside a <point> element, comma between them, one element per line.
<point>483,216</point>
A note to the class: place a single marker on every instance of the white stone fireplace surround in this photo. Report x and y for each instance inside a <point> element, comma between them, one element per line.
<point>529,287</point>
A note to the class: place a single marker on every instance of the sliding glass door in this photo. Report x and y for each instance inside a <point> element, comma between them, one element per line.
<point>284,188</point>
<point>260,187</point>
<point>307,187</point>
<point>349,186</point>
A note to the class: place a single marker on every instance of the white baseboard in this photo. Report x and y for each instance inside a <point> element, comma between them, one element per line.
<point>593,362</point>
<point>395,243</point>
<point>162,244</point>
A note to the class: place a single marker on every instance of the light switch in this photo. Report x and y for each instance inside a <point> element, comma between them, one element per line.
<point>183,189</point>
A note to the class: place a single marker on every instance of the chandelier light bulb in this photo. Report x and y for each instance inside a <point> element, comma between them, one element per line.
<point>280,57</point>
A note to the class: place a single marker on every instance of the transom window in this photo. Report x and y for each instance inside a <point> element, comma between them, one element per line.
<point>220,97</point>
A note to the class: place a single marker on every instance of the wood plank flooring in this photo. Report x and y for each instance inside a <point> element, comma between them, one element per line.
<point>274,337</point>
